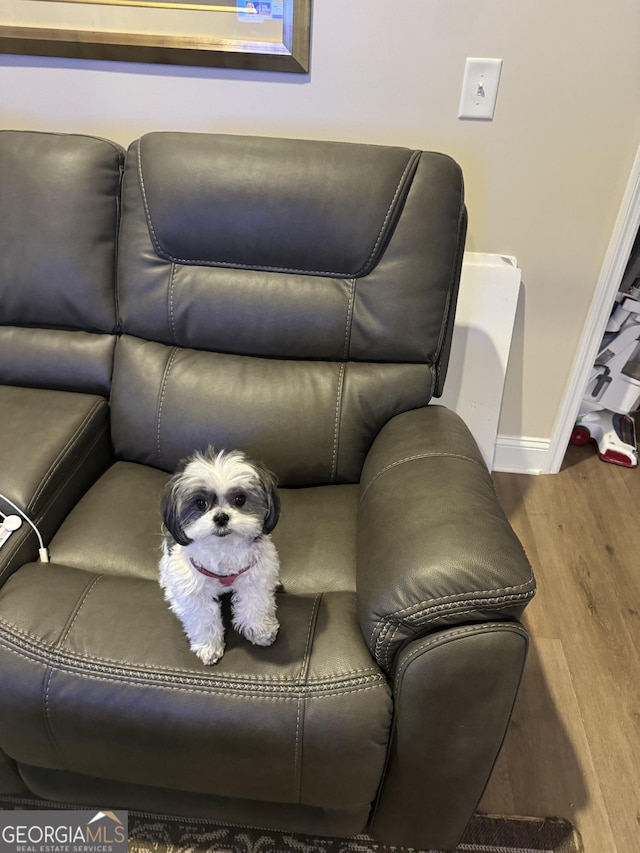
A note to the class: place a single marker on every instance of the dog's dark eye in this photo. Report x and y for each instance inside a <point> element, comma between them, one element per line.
<point>240,500</point>
<point>201,504</point>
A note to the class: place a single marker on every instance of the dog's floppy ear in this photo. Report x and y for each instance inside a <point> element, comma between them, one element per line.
<point>170,507</point>
<point>269,483</point>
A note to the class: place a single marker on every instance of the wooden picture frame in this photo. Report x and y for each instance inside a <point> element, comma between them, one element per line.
<point>220,33</point>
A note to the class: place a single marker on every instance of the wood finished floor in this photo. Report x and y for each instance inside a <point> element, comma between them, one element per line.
<point>573,747</point>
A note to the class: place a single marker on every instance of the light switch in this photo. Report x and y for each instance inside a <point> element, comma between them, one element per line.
<point>480,88</point>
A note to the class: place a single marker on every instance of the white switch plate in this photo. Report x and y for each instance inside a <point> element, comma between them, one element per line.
<point>480,88</point>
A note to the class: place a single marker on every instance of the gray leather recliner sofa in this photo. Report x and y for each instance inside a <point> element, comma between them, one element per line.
<point>294,299</point>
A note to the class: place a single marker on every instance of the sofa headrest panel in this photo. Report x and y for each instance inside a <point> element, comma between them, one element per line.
<point>232,334</point>
<point>235,201</point>
<point>59,207</point>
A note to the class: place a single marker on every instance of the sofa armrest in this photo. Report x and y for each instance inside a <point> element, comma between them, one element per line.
<point>53,446</point>
<point>434,546</point>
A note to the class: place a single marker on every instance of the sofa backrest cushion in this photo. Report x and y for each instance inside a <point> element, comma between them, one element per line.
<point>283,296</point>
<point>59,209</point>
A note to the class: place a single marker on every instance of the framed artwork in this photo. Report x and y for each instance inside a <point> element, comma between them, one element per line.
<point>267,35</point>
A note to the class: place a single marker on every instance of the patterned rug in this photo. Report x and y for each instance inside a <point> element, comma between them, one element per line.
<point>485,834</point>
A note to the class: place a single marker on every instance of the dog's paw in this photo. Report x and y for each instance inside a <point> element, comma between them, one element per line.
<point>207,652</point>
<point>262,635</point>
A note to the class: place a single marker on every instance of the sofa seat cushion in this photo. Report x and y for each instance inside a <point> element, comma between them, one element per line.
<point>98,679</point>
<point>53,445</point>
<point>115,529</point>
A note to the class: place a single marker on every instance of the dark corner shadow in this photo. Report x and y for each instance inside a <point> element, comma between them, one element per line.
<point>578,455</point>
<point>539,749</point>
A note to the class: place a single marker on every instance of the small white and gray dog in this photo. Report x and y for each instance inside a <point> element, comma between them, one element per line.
<point>218,511</point>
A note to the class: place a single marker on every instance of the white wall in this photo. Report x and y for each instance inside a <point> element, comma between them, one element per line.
<point>544,179</point>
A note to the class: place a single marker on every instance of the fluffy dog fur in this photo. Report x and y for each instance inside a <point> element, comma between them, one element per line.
<point>218,512</point>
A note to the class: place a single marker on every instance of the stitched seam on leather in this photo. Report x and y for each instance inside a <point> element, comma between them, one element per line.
<point>64,453</point>
<point>386,625</point>
<point>145,202</point>
<point>116,278</point>
<point>436,610</point>
<point>380,654</point>
<point>450,601</point>
<point>76,662</point>
<point>47,720</point>
<point>48,723</point>
<point>89,450</point>
<point>385,655</point>
<point>250,694</point>
<point>250,681</point>
<point>349,322</point>
<point>297,754</point>
<point>468,630</point>
<point>77,613</point>
<point>163,388</point>
<point>172,318</point>
<point>336,430</point>
<point>433,641</point>
<point>415,155</point>
<point>429,455</point>
<point>304,669</point>
<point>259,267</point>
<point>301,707</point>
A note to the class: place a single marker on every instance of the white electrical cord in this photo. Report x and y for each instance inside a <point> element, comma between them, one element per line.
<point>42,551</point>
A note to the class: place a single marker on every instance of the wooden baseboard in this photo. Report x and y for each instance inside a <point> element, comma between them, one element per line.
<point>521,455</point>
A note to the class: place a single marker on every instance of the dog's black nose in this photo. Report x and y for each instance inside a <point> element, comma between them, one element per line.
<point>221,519</point>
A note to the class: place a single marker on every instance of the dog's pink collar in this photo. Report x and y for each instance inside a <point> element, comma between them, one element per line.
<point>225,580</point>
